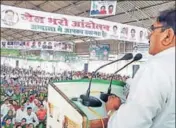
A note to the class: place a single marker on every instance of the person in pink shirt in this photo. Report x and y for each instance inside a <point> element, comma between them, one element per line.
<point>103,10</point>
<point>110,9</point>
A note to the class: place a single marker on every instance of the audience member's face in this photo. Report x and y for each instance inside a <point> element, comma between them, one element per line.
<point>30,126</point>
<point>10,113</point>
<point>29,111</point>
<point>22,107</point>
<point>41,107</point>
<point>8,122</point>
<point>6,102</point>
<point>11,107</point>
<point>17,92</point>
<point>23,122</point>
<point>14,103</point>
<point>38,104</point>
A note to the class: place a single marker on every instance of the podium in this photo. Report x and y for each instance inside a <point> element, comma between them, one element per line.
<point>62,112</point>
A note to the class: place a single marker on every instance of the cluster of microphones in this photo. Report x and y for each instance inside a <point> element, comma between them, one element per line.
<point>91,101</point>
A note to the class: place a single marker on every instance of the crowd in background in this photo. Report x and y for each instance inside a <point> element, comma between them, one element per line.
<point>24,94</point>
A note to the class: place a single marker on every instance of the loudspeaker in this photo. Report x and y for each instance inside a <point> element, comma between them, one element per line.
<point>85,67</point>
<point>135,69</point>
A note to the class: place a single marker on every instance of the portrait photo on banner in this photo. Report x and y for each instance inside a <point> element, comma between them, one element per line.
<point>99,52</point>
<point>103,8</point>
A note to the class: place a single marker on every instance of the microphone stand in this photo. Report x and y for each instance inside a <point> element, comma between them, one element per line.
<point>91,101</point>
<point>93,74</point>
<point>104,96</point>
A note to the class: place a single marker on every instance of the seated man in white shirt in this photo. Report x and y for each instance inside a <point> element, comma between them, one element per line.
<point>151,100</point>
<point>20,114</point>
<point>31,117</point>
<point>5,108</point>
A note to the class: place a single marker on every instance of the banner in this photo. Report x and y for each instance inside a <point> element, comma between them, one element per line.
<point>38,45</point>
<point>103,8</point>
<point>26,19</point>
<point>99,52</point>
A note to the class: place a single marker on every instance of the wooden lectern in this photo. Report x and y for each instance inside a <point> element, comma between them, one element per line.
<point>66,113</point>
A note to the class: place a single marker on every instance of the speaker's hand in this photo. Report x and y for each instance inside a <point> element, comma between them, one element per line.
<point>113,103</point>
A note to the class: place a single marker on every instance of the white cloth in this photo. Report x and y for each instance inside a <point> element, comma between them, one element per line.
<point>4,109</point>
<point>151,101</point>
<point>31,118</point>
<point>35,108</point>
<point>45,103</point>
<point>20,115</point>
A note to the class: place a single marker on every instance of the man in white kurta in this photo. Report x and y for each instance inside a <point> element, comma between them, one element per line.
<point>20,114</point>
<point>151,100</point>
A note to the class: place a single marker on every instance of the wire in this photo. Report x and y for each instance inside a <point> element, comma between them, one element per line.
<point>96,114</point>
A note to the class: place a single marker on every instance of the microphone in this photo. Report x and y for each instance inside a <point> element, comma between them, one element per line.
<point>104,96</point>
<point>91,101</point>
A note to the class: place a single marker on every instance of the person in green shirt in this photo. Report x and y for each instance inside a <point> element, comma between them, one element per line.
<point>17,96</point>
<point>8,123</point>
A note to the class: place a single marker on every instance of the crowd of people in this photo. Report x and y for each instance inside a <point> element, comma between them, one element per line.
<point>24,94</point>
<point>23,98</point>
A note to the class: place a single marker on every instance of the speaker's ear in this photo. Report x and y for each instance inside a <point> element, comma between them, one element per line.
<point>169,37</point>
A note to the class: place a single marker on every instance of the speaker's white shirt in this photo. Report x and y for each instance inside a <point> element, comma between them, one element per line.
<point>151,101</point>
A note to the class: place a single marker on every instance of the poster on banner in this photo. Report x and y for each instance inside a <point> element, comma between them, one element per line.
<point>17,45</point>
<point>99,52</point>
<point>33,20</point>
<point>3,44</point>
<point>38,45</point>
<point>44,45</point>
<point>13,44</point>
<point>141,47</point>
<point>10,45</point>
<point>47,45</point>
<point>63,46</point>
<point>33,45</point>
<point>27,44</point>
<point>21,45</point>
<point>103,7</point>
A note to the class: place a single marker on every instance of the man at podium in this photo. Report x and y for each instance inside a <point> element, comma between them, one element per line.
<point>151,100</point>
